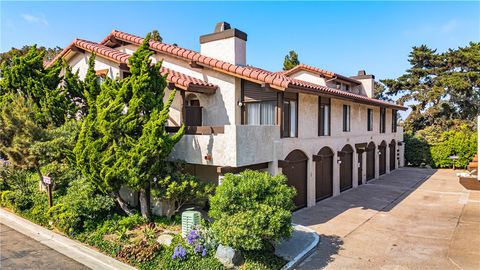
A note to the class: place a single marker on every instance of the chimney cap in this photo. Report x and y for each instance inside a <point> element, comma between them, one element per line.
<point>363,75</point>
<point>222,26</point>
<point>223,30</point>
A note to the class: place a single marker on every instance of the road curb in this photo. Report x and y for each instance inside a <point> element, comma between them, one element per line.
<point>66,246</point>
<point>307,251</point>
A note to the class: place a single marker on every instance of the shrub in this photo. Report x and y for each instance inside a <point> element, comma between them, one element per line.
<point>251,210</point>
<point>180,189</point>
<point>417,150</point>
<point>82,202</point>
<point>461,141</point>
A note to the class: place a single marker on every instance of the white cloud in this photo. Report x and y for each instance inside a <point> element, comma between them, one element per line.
<point>35,19</point>
<point>450,26</point>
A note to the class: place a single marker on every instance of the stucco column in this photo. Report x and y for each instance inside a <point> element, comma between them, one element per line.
<point>273,167</point>
<point>402,155</point>
<point>387,159</point>
<point>377,163</point>
<point>336,175</point>
<point>310,182</point>
<point>364,167</point>
<point>355,169</point>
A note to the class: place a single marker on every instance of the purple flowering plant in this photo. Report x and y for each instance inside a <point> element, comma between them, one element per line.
<point>179,252</point>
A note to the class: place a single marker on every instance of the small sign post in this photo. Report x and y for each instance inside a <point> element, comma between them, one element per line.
<point>453,158</point>
<point>48,182</point>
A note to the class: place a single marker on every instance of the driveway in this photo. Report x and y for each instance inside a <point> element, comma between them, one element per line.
<point>18,251</point>
<point>410,219</point>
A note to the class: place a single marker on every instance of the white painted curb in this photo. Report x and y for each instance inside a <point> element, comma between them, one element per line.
<point>66,246</point>
<point>306,252</point>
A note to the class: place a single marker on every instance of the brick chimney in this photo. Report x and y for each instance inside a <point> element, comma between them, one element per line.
<point>368,82</point>
<point>226,44</point>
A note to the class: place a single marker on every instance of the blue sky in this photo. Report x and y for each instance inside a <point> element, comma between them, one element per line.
<point>339,36</point>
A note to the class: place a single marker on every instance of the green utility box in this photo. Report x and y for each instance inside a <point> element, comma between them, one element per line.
<point>190,219</point>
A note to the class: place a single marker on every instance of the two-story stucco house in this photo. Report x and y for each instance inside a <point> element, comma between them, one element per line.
<point>324,131</point>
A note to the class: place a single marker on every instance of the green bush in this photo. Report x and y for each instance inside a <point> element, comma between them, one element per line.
<point>417,150</point>
<point>434,147</point>
<point>82,202</point>
<point>181,189</point>
<point>461,141</point>
<point>251,210</point>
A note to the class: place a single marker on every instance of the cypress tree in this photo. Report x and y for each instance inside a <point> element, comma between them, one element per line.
<point>123,139</point>
<point>291,60</point>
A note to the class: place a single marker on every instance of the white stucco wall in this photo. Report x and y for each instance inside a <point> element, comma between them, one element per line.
<point>308,77</point>
<point>231,50</point>
<point>79,62</point>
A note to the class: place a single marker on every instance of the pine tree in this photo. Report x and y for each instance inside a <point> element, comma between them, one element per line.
<point>441,88</point>
<point>33,109</point>
<point>155,36</point>
<point>291,60</point>
<point>123,140</point>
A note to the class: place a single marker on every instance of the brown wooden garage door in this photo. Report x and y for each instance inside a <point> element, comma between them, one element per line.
<point>346,158</point>
<point>393,153</point>
<point>382,158</point>
<point>323,173</point>
<point>294,167</point>
<point>370,161</point>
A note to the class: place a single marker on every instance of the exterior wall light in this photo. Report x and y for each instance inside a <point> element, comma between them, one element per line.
<point>239,104</point>
<point>339,161</point>
<point>379,153</point>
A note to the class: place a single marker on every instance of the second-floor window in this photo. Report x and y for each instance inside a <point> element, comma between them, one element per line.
<point>346,118</point>
<point>290,116</point>
<point>369,119</point>
<point>260,113</point>
<point>323,116</point>
<point>382,120</point>
<point>394,121</point>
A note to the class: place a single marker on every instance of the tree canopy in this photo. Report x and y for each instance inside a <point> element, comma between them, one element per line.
<point>291,60</point>
<point>440,88</point>
<point>123,140</point>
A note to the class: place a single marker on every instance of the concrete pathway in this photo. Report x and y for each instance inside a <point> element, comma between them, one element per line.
<point>24,256</point>
<point>22,252</point>
<point>409,219</point>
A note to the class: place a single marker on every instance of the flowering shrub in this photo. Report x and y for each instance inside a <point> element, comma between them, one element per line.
<point>179,252</point>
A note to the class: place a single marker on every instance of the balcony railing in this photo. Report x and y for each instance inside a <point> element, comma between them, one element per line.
<point>199,130</point>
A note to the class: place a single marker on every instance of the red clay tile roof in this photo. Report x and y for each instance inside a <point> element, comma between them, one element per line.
<point>319,71</point>
<point>179,79</point>
<point>276,79</point>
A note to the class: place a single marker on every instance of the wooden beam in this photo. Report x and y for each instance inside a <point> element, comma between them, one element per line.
<point>234,170</point>
<point>194,64</point>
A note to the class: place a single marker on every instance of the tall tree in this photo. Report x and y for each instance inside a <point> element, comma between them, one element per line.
<point>379,92</point>
<point>155,36</point>
<point>291,60</point>
<point>50,53</point>
<point>33,110</point>
<point>123,140</point>
<point>440,87</point>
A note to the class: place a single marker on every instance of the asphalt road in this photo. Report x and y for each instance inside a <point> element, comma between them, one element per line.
<point>18,252</point>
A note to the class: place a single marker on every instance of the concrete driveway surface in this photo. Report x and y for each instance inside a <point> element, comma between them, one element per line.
<point>18,251</point>
<point>410,219</point>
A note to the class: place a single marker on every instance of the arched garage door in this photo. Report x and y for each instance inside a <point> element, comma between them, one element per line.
<point>370,161</point>
<point>294,167</point>
<point>323,173</point>
<point>382,158</point>
<point>346,158</point>
<point>393,155</point>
